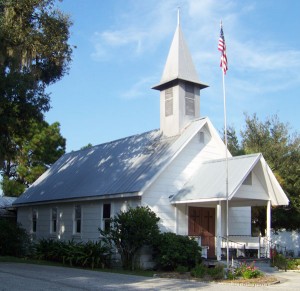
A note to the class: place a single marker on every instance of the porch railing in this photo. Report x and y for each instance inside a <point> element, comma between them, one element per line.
<point>241,246</point>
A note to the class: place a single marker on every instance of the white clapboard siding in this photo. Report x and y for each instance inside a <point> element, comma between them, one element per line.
<point>174,178</point>
<point>239,221</point>
<point>255,191</point>
<point>91,218</point>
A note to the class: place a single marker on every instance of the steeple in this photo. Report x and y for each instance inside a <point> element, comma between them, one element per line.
<point>180,87</point>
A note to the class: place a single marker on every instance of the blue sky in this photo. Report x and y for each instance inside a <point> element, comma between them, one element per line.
<point>122,46</point>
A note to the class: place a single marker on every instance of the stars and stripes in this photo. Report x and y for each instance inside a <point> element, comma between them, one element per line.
<point>222,49</point>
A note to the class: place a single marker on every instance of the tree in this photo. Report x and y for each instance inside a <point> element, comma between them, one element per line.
<point>34,53</point>
<point>233,143</point>
<point>130,231</point>
<point>282,152</point>
<point>34,154</point>
<point>88,146</point>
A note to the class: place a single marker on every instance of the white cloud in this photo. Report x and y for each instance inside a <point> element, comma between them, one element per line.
<point>142,30</point>
<point>255,66</point>
<point>138,89</point>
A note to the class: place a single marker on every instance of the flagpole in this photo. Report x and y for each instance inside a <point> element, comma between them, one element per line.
<point>226,158</point>
<point>223,65</point>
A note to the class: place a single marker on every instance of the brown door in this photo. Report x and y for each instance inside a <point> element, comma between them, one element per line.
<point>202,223</point>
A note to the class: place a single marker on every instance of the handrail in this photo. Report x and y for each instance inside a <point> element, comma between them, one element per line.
<point>264,244</point>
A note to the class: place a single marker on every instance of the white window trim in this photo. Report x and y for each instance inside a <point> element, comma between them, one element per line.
<point>75,233</point>
<point>32,220</point>
<point>51,221</point>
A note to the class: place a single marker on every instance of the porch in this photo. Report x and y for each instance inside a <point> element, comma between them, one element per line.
<point>240,247</point>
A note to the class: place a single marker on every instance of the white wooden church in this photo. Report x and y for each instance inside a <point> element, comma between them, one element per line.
<point>179,171</point>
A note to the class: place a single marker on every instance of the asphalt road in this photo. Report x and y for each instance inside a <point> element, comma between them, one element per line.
<point>14,276</point>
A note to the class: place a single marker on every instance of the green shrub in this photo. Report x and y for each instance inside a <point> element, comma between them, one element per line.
<point>90,254</point>
<point>292,264</point>
<point>199,271</point>
<point>181,269</point>
<point>171,250</point>
<point>216,273</point>
<point>279,261</point>
<point>129,231</point>
<point>14,240</point>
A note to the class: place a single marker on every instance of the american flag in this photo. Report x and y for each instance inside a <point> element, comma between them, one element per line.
<point>222,49</point>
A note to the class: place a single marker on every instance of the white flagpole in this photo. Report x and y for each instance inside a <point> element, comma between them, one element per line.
<point>222,48</point>
<point>226,157</point>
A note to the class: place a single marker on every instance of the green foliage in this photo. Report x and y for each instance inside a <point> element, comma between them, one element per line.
<point>281,262</point>
<point>216,273</point>
<point>245,271</point>
<point>90,254</point>
<point>34,53</point>
<point>181,269</point>
<point>88,146</point>
<point>130,231</point>
<point>14,241</point>
<point>233,143</point>
<point>34,153</point>
<point>199,271</point>
<point>293,264</point>
<point>172,250</point>
<point>281,149</point>
<point>202,271</point>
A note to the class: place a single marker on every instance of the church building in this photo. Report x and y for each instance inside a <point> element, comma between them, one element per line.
<point>179,171</point>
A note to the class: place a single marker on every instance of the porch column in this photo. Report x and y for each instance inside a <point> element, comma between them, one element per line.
<point>219,231</point>
<point>268,234</point>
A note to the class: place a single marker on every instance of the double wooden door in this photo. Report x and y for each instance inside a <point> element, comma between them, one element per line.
<point>202,223</point>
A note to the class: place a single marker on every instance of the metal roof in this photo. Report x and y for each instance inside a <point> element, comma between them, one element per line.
<point>209,182</point>
<point>124,166</point>
<point>121,166</point>
<point>5,205</point>
<point>6,201</point>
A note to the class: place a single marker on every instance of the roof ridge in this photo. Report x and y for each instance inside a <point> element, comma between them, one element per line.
<point>113,141</point>
<point>232,158</point>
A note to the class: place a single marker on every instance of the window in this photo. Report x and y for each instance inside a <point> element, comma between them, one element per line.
<point>248,180</point>
<point>34,220</point>
<point>189,99</point>
<point>169,102</point>
<point>106,216</point>
<point>54,220</point>
<point>77,219</point>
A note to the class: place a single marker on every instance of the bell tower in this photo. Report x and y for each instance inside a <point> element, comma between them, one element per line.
<point>179,88</point>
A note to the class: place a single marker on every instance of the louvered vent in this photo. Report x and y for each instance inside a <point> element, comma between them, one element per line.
<point>189,99</point>
<point>201,136</point>
<point>169,102</point>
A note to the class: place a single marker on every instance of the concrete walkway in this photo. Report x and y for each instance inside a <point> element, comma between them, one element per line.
<point>15,276</point>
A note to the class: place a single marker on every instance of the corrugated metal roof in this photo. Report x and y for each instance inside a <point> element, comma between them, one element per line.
<point>5,204</point>
<point>6,201</point>
<point>128,165</point>
<point>209,182</point>
<point>121,166</point>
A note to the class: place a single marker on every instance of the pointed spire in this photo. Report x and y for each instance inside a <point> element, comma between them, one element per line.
<point>179,65</point>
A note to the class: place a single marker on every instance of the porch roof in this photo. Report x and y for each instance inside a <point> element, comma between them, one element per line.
<point>209,182</point>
